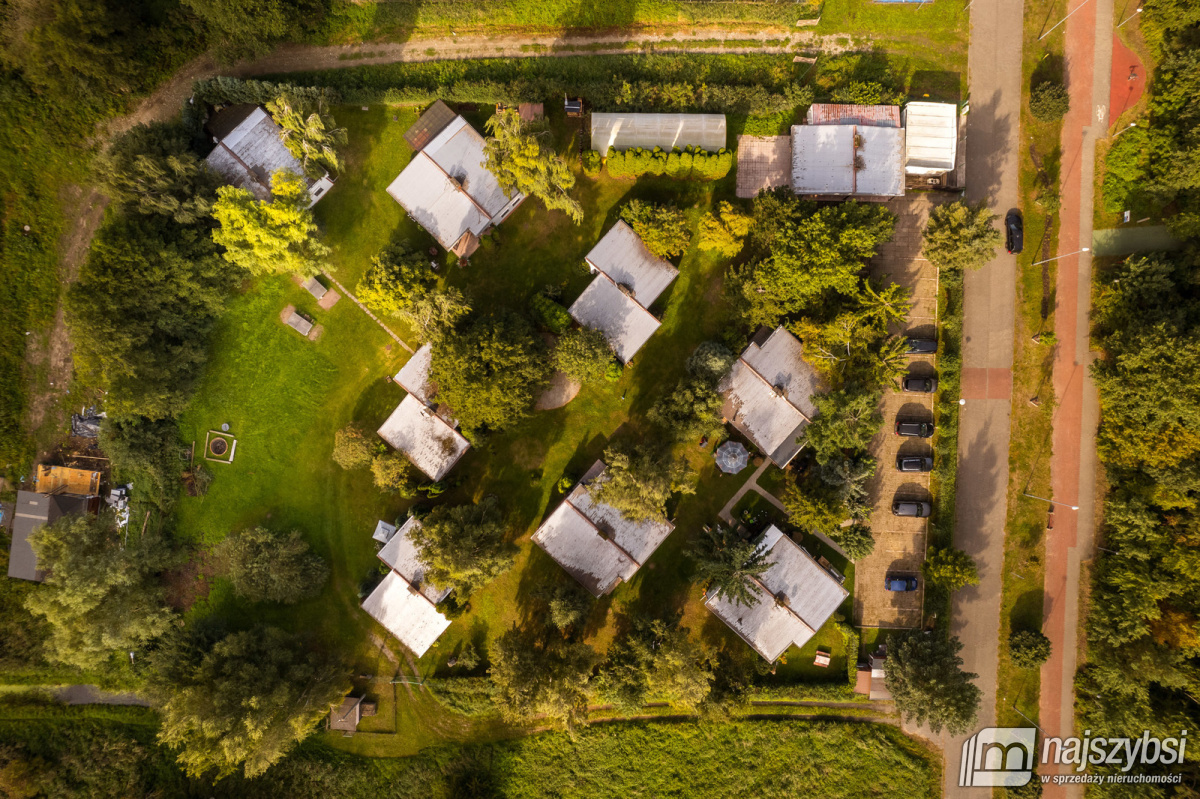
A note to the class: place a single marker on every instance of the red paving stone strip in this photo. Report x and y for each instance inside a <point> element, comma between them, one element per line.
<point>1128,79</point>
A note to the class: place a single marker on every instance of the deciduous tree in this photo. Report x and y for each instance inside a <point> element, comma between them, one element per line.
<point>309,133</point>
<point>434,314</point>
<point>724,230</point>
<point>464,546</point>
<point>728,565</point>
<point>1029,649</point>
<point>541,675</point>
<point>583,354</point>
<point>846,421</point>
<point>951,569</point>
<point>521,163</point>
<point>351,448</point>
<point>393,474</point>
<point>855,540</point>
<point>638,481</point>
<point>275,237</point>
<point>924,675</point>
<point>961,236</point>
<point>269,566</point>
<point>100,597</point>
<point>655,660</point>
<point>151,169</point>
<point>662,228</point>
<point>396,279</point>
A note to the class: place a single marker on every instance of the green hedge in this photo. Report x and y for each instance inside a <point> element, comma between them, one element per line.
<point>741,84</point>
<point>470,696</point>
<point>550,314</point>
<point>689,164</point>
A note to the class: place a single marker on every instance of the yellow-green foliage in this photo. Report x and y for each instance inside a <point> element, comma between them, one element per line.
<point>689,164</point>
<point>277,237</point>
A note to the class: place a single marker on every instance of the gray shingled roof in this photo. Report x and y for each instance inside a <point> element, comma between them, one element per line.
<point>425,438</point>
<point>623,321</point>
<point>622,256</point>
<point>33,511</point>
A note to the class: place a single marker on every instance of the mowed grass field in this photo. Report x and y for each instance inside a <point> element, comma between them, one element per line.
<point>284,397</point>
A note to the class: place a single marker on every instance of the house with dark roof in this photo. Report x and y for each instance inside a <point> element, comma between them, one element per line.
<point>628,281</point>
<point>34,510</point>
<point>405,603</point>
<point>594,542</point>
<point>769,394</point>
<point>447,189</point>
<point>249,149</point>
<point>795,597</point>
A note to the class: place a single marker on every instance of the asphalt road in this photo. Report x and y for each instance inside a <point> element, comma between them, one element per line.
<point>993,142</point>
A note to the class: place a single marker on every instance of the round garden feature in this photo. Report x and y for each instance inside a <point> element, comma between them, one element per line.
<point>218,446</point>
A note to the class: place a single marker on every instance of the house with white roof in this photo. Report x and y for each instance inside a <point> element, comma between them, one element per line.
<point>796,596</point>
<point>447,189</point>
<point>628,281</point>
<point>625,130</point>
<point>594,542</point>
<point>930,138</point>
<point>404,602</point>
<point>249,149</point>
<point>427,435</point>
<point>769,394</point>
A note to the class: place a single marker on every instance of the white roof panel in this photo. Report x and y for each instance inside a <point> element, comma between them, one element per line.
<point>458,149</point>
<point>882,154</point>
<point>626,324</point>
<point>251,153</point>
<point>763,415</point>
<point>406,613</point>
<point>930,137</point>
<point>413,377</point>
<point>639,538</point>
<point>622,131</point>
<point>425,438</point>
<point>429,197</point>
<point>621,255</point>
<point>780,360</point>
<point>823,160</point>
<point>402,556</point>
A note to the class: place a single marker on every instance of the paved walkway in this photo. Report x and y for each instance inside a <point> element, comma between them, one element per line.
<point>367,311</point>
<point>726,514</point>
<point>93,695</point>
<point>1073,458</point>
<point>993,142</point>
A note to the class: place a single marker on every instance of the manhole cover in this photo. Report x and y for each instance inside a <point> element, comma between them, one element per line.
<point>218,446</point>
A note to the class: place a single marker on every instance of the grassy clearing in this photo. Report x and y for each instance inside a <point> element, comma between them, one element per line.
<point>901,26</point>
<point>1029,454</point>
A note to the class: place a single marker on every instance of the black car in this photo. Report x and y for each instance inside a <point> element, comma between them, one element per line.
<point>913,429</point>
<point>914,463</point>
<point>1014,233</point>
<point>922,346</point>
<point>920,385</point>
<point>899,582</point>
<point>920,510</point>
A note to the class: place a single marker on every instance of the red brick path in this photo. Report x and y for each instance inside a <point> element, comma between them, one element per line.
<point>1124,93</point>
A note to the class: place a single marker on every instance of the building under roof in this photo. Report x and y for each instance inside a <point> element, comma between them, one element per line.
<point>34,510</point>
<point>429,124</point>
<point>403,602</point>
<point>769,395</point>
<point>345,717</point>
<point>249,150</point>
<point>867,116</point>
<point>594,542</point>
<point>628,281</point>
<point>447,189</point>
<point>796,596</point>
<point>847,161</point>
<point>426,439</point>
<point>930,138</point>
<point>623,131</point>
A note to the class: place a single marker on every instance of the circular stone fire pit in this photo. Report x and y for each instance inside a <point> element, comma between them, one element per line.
<point>218,446</point>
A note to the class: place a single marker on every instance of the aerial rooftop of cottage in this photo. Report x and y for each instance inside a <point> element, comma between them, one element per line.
<point>404,602</point>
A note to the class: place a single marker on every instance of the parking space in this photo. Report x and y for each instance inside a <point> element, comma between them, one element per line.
<point>900,541</point>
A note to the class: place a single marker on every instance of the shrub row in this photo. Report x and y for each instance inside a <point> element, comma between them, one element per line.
<point>689,164</point>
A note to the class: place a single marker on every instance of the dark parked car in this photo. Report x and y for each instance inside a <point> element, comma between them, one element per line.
<point>900,582</point>
<point>922,346</point>
<point>920,510</point>
<point>1014,232</point>
<point>921,385</point>
<point>914,463</point>
<point>906,427</point>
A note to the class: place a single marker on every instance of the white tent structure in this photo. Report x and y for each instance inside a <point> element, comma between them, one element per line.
<point>623,131</point>
<point>930,138</point>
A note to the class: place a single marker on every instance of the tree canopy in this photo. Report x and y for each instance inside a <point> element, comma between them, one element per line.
<point>662,228</point>
<point>728,565</point>
<point>464,546</point>
<point>951,569</point>
<point>100,596</point>
<point>248,28</point>
<point>924,675</point>
<point>520,163</point>
<point>269,566</point>
<point>490,370</point>
<point>583,354</point>
<point>309,133</point>
<point>724,230</point>
<point>1029,649</point>
<point>151,169</point>
<point>638,481</point>
<point>961,236</point>
<point>396,279</point>
<point>351,448</point>
<point>846,421</point>
<point>541,675</point>
<point>655,660</point>
<point>275,237</point>
<point>242,701</point>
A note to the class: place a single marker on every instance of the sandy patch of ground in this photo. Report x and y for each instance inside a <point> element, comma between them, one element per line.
<point>561,390</point>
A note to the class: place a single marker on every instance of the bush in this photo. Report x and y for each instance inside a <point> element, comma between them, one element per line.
<point>394,475</point>
<point>689,164</point>
<point>1049,101</point>
<point>662,228</point>
<point>591,163</point>
<point>351,448</point>
<point>266,566</point>
<point>1028,649</point>
<point>550,314</point>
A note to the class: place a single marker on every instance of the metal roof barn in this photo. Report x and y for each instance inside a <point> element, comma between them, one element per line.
<point>930,138</point>
<point>876,116</point>
<point>252,151</point>
<point>623,131</point>
<point>848,160</point>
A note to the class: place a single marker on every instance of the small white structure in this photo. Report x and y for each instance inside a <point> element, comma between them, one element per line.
<point>796,596</point>
<point>768,395</point>
<point>629,280</point>
<point>623,131</point>
<point>404,603</point>
<point>426,439</point>
<point>930,138</point>
<point>383,532</point>
<point>249,150</point>
<point>447,189</point>
<point>847,161</point>
<point>594,542</point>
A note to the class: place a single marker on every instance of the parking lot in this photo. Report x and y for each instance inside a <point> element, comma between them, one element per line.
<point>900,542</point>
